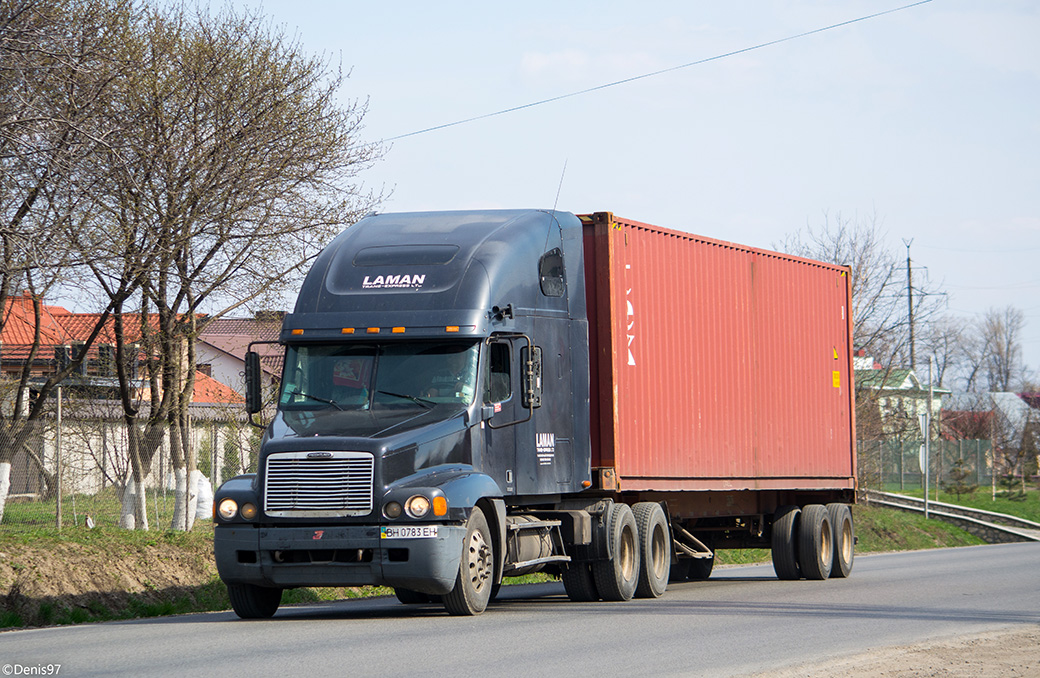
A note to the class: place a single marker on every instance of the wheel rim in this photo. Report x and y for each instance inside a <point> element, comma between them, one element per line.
<point>846,541</point>
<point>478,561</point>
<point>626,555</point>
<point>827,544</point>
<point>657,551</point>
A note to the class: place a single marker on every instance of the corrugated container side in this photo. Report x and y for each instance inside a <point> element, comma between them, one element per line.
<point>716,366</point>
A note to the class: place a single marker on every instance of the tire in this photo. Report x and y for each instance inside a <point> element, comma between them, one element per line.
<point>616,578</point>
<point>409,597</point>
<point>844,540</point>
<point>476,574</point>
<point>815,542</point>
<point>254,602</point>
<point>579,584</point>
<point>700,568</point>
<point>655,549</point>
<point>784,542</point>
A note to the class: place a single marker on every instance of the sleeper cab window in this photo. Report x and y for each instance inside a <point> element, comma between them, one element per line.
<point>550,273</point>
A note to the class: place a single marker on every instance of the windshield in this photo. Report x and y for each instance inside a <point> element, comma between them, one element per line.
<point>387,382</point>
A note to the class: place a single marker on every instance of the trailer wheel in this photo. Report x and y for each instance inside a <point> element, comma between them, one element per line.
<point>655,553</point>
<point>578,583</point>
<point>476,570</point>
<point>254,602</point>
<point>616,578</point>
<point>785,543</point>
<point>700,568</point>
<point>815,542</point>
<point>844,540</point>
<point>410,597</point>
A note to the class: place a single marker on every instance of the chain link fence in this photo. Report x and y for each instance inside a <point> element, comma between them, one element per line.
<point>895,465</point>
<point>73,474</point>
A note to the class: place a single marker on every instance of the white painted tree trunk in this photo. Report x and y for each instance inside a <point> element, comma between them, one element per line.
<point>134,504</point>
<point>5,486</point>
<point>185,498</point>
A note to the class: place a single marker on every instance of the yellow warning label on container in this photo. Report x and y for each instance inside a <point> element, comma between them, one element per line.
<point>836,377</point>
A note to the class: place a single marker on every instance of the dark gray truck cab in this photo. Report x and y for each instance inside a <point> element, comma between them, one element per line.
<point>432,420</point>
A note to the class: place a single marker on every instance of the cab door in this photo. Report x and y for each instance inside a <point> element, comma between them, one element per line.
<point>502,410</point>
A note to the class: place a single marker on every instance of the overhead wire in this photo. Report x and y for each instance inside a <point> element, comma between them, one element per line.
<point>644,76</point>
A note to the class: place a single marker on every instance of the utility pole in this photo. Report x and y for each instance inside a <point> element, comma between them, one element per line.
<point>910,298</point>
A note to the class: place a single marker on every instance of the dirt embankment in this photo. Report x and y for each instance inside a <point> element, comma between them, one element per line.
<point>72,582</point>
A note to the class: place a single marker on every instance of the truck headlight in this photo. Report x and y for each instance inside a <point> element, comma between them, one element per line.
<point>417,506</point>
<point>228,508</point>
<point>392,510</point>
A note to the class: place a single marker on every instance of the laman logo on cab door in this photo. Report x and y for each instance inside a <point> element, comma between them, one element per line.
<point>393,282</point>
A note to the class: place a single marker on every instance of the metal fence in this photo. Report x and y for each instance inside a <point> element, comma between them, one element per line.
<point>895,465</point>
<point>66,473</point>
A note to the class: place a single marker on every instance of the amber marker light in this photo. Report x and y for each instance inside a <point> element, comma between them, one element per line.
<point>398,330</point>
<point>373,330</point>
<point>440,506</point>
<point>451,328</point>
<point>297,332</point>
<point>347,330</point>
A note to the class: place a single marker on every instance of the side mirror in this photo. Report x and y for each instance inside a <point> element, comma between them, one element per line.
<point>531,364</point>
<point>254,400</point>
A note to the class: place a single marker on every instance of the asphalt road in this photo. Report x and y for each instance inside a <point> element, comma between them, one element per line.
<point>741,621</point>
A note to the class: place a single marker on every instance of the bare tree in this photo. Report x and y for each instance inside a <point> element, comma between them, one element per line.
<point>944,339</point>
<point>879,282</point>
<point>1001,334</point>
<point>237,165</point>
<point>56,71</point>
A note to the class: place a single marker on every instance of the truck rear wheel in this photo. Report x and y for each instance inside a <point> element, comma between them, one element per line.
<point>815,542</point>
<point>476,570</point>
<point>785,543</point>
<point>655,552</point>
<point>616,578</point>
<point>579,584</point>
<point>254,602</point>
<point>844,540</point>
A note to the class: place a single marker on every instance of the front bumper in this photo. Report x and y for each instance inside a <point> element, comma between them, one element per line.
<point>287,557</point>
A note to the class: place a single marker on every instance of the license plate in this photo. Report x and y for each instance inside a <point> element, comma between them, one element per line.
<point>408,532</point>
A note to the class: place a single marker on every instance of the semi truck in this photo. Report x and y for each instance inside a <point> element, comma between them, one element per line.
<point>474,395</point>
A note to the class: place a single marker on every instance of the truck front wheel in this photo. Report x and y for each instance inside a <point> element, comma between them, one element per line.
<point>476,570</point>
<point>254,602</point>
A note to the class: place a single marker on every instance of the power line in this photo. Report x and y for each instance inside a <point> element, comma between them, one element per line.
<point>625,81</point>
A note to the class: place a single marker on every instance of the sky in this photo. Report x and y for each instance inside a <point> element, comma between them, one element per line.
<point>927,119</point>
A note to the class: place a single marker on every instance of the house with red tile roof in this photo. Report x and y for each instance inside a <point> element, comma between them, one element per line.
<point>223,342</point>
<point>61,332</point>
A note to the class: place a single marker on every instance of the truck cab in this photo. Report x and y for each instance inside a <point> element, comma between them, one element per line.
<point>429,376</point>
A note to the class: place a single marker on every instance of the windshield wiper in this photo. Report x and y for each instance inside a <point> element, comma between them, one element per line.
<point>314,397</point>
<point>415,399</point>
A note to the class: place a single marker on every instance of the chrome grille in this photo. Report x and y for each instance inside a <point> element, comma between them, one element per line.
<point>313,485</point>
